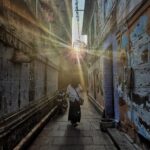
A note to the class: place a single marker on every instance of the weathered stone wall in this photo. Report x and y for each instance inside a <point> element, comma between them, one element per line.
<point>20,83</point>
<point>125,30</point>
<point>28,78</point>
<point>22,86</point>
<point>95,82</point>
<point>131,72</point>
<point>135,87</point>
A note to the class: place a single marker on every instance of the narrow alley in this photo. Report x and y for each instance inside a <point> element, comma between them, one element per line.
<point>52,52</point>
<point>59,134</point>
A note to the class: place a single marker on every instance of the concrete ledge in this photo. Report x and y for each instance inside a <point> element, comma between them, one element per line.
<point>121,141</point>
<point>96,105</point>
<point>26,141</point>
<point>119,138</point>
<point>15,127</point>
<point>106,123</point>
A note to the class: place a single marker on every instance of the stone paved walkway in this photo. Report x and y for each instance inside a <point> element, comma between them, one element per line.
<point>58,134</point>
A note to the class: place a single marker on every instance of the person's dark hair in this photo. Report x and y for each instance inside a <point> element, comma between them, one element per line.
<point>74,83</point>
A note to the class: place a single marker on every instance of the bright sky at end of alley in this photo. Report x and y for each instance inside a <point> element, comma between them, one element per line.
<point>75,35</point>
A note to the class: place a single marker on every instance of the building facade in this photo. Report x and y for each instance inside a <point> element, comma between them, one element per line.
<point>32,35</point>
<point>119,35</point>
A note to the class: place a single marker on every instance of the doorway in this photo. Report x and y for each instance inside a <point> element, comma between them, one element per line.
<point>108,83</point>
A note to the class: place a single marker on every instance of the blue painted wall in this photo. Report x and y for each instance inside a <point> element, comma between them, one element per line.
<point>137,99</point>
<point>110,78</point>
<point>140,62</point>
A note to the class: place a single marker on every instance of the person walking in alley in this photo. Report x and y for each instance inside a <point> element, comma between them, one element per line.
<point>74,91</point>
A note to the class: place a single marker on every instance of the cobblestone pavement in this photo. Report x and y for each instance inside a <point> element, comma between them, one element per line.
<point>58,134</point>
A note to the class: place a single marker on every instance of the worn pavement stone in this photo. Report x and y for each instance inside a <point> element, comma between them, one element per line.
<point>58,134</point>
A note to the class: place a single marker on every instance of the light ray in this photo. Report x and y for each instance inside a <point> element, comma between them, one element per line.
<point>80,71</point>
<point>52,36</point>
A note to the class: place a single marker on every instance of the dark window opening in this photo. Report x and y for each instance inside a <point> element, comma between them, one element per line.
<point>144,56</point>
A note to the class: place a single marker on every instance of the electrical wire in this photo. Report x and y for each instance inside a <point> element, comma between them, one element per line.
<point>77,16</point>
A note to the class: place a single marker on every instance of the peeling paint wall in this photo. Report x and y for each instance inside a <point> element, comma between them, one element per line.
<point>124,7</point>
<point>135,76</point>
<point>95,81</point>
<point>126,33</point>
<point>140,62</point>
<point>135,43</point>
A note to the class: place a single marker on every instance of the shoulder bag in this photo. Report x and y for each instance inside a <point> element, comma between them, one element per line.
<point>81,100</point>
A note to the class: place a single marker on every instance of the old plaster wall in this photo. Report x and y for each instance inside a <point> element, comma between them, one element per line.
<point>134,73</point>
<point>125,7</point>
<point>127,35</point>
<point>21,83</point>
<point>130,66</point>
<point>95,81</point>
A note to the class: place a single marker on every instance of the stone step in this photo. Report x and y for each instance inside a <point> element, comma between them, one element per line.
<point>120,140</point>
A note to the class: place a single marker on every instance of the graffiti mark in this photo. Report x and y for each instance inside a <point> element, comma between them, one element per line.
<point>125,42</point>
<point>141,100</point>
<point>139,29</point>
<point>144,124</point>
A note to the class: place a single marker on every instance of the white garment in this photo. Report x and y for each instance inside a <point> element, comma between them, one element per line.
<point>120,91</point>
<point>72,93</point>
